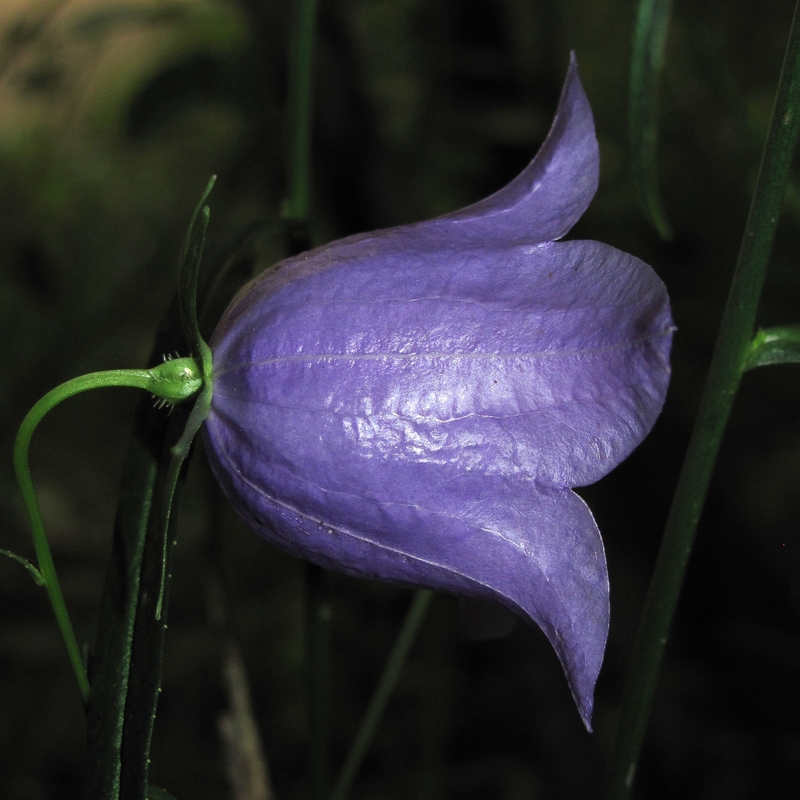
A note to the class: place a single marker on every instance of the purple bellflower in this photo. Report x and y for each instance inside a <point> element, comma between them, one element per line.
<point>415,404</point>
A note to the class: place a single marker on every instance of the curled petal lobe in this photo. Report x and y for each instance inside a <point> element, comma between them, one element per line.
<point>416,404</point>
<point>535,550</point>
<point>545,200</point>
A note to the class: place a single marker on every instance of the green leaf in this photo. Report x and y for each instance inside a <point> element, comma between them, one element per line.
<point>35,574</point>
<point>649,39</point>
<point>150,623</point>
<point>774,346</point>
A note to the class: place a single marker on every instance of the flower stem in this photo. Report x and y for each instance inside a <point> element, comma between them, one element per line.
<point>172,381</point>
<point>391,672</point>
<point>318,665</point>
<point>300,95</point>
<point>727,365</point>
<point>647,58</point>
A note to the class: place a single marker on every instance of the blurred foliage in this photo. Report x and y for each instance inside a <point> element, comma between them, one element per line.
<point>113,116</point>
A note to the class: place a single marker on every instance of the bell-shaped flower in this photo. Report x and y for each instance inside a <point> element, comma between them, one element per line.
<point>415,404</point>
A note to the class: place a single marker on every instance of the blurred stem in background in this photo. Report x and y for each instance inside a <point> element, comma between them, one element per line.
<point>374,713</point>
<point>297,205</point>
<point>296,213</point>
<point>649,40</point>
<point>727,365</point>
<point>318,658</point>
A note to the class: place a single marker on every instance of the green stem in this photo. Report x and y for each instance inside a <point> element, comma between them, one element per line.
<point>150,624</point>
<point>391,673</point>
<point>301,69</point>
<point>647,59</point>
<point>111,656</point>
<point>318,658</point>
<point>727,365</point>
<point>180,452</point>
<point>172,381</point>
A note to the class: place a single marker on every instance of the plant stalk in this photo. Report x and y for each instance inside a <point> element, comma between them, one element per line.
<point>727,366</point>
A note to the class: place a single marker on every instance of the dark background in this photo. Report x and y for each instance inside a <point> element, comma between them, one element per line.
<point>112,117</point>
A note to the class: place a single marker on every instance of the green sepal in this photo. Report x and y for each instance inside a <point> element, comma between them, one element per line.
<point>188,271</point>
<point>779,345</point>
<point>35,574</point>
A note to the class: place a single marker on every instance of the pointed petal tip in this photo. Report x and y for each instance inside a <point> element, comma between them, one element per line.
<point>549,196</point>
<point>572,68</point>
<point>583,695</point>
<point>586,716</point>
<point>581,686</point>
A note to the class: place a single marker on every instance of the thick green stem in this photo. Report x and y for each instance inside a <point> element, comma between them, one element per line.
<point>172,381</point>
<point>727,365</point>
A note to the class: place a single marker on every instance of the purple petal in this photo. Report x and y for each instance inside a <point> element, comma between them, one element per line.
<point>535,550</point>
<point>414,404</point>
<point>357,395</point>
<point>544,201</point>
<point>549,362</point>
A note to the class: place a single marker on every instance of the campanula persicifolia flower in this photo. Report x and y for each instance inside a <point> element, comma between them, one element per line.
<point>415,404</point>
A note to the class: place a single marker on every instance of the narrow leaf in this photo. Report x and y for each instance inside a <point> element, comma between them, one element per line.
<point>774,346</point>
<point>35,574</point>
<point>724,373</point>
<point>127,665</point>
<point>149,629</point>
<point>649,39</point>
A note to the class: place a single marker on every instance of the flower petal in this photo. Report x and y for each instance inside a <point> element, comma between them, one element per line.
<point>535,550</point>
<point>550,361</point>
<point>414,404</point>
<point>548,197</point>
